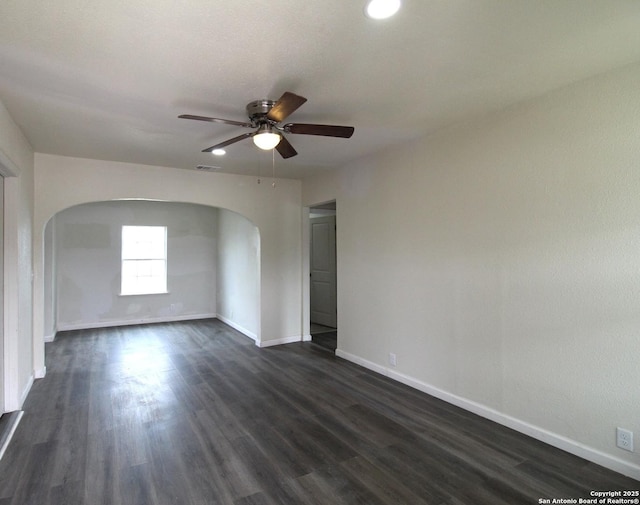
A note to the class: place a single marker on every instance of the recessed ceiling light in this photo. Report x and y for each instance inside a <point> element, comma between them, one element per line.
<point>382,9</point>
<point>219,152</point>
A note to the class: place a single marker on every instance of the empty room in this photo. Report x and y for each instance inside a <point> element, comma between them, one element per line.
<point>191,192</point>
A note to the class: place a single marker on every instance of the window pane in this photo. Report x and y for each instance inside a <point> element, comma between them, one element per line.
<point>144,242</point>
<point>144,262</point>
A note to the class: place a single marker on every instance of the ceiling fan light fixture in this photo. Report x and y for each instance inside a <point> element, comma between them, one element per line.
<point>267,116</point>
<point>382,9</point>
<point>266,139</point>
<point>218,152</point>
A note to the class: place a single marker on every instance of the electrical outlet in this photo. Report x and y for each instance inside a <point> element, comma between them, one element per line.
<point>624,439</point>
<point>392,359</point>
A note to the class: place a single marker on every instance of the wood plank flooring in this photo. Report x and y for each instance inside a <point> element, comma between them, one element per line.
<point>327,340</point>
<point>194,413</point>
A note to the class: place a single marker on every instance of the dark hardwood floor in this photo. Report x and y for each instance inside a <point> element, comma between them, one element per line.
<point>194,413</point>
<point>325,337</point>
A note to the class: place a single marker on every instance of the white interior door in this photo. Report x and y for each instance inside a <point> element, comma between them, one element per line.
<point>323,271</point>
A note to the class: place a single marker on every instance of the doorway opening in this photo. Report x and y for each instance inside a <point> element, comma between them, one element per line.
<point>323,276</point>
<point>210,266</point>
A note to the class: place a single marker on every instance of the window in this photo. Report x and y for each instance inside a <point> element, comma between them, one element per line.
<point>144,260</point>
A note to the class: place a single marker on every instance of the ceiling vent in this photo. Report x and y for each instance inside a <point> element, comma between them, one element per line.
<point>207,168</point>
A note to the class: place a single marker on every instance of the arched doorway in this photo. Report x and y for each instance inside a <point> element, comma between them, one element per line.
<point>213,266</point>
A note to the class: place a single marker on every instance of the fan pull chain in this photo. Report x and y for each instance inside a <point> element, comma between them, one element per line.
<point>273,167</point>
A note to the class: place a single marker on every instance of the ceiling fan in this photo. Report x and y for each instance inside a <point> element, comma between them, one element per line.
<point>265,117</point>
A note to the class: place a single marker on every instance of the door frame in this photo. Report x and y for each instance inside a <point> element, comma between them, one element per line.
<point>11,396</point>
<point>2,297</point>
<point>306,266</point>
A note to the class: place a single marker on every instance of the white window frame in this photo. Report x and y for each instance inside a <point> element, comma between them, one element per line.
<point>143,260</point>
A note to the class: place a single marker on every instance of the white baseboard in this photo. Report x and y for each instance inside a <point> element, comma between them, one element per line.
<point>49,338</point>
<point>306,338</point>
<point>361,361</point>
<point>40,373</point>
<point>15,420</point>
<point>261,343</point>
<point>25,391</point>
<point>237,327</point>
<point>131,322</point>
<point>559,441</point>
<point>278,341</point>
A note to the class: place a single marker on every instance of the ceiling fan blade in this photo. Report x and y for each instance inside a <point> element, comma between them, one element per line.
<point>216,120</point>
<point>288,103</point>
<point>320,129</point>
<point>285,149</point>
<point>229,142</point>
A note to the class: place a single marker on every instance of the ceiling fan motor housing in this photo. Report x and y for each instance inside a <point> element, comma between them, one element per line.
<point>258,110</point>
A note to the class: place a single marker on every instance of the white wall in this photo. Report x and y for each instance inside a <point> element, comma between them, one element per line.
<point>238,272</point>
<point>62,182</point>
<point>50,307</point>
<point>500,261</point>
<point>87,263</point>
<point>16,162</point>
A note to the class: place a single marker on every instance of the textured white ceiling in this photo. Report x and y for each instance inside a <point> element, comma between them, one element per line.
<point>106,79</point>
